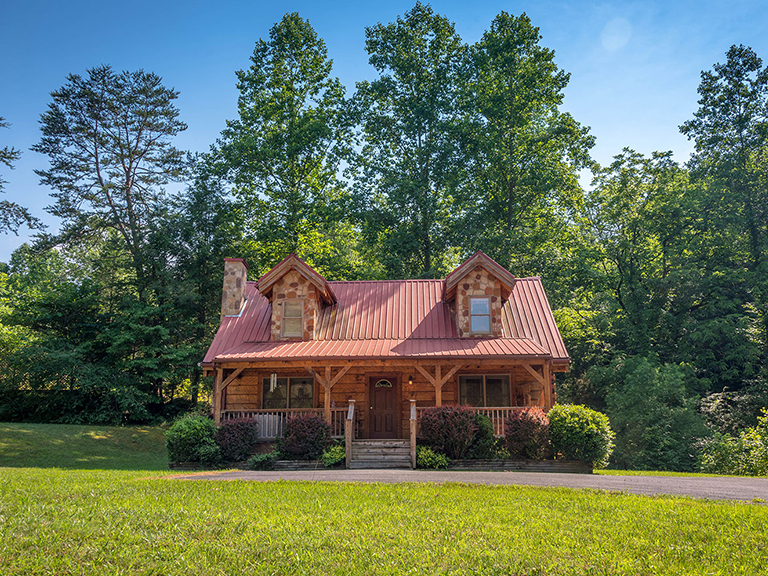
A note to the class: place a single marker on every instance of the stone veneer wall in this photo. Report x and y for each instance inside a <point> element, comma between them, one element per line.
<point>478,282</point>
<point>233,292</point>
<point>294,285</point>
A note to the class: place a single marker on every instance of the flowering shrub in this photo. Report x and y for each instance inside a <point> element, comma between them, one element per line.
<point>236,438</point>
<point>527,434</point>
<point>580,433</point>
<point>305,438</point>
<point>187,436</point>
<point>448,429</point>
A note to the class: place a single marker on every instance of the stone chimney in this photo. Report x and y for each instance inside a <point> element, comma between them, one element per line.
<point>233,293</point>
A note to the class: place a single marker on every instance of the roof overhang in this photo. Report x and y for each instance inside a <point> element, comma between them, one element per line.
<point>479,259</point>
<point>293,262</point>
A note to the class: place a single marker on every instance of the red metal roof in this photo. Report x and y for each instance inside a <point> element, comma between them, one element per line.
<point>394,318</point>
<point>387,349</point>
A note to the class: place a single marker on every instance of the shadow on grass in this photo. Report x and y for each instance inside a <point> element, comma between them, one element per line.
<point>82,447</point>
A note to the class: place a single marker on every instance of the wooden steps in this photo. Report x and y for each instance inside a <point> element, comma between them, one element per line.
<point>373,454</point>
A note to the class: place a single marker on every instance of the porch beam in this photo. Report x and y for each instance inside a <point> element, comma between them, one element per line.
<point>539,378</point>
<point>341,373</point>
<point>426,374</point>
<point>231,378</point>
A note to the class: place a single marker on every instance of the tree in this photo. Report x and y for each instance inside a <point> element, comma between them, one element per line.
<point>13,216</point>
<point>284,152</point>
<point>730,131</point>
<point>523,153</point>
<point>107,136</point>
<point>409,163</point>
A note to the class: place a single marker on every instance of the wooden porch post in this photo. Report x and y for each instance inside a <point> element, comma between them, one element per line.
<point>327,404</point>
<point>548,385</point>
<point>217,377</point>
<point>349,431</point>
<point>413,433</point>
<point>438,386</point>
<point>438,380</point>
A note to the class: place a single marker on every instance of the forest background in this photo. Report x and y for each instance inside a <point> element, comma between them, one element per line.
<point>657,273</point>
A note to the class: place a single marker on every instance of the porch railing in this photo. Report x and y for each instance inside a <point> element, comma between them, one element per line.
<point>496,414</point>
<point>272,422</point>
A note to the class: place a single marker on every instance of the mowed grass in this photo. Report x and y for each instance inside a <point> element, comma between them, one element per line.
<point>55,520</point>
<point>82,447</point>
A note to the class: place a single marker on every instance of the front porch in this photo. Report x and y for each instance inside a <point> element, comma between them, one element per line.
<point>385,397</point>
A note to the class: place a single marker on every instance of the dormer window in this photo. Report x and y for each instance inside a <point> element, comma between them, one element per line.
<point>480,315</point>
<point>292,318</point>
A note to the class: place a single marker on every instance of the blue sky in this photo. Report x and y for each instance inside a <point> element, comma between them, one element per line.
<point>635,66</point>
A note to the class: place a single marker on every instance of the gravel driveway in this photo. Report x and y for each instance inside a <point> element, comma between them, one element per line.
<point>721,488</point>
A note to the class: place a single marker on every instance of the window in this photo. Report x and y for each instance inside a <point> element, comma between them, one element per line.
<point>484,390</point>
<point>288,393</point>
<point>479,315</point>
<point>292,318</point>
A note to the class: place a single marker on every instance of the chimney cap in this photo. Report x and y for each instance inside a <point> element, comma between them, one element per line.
<point>237,260</point>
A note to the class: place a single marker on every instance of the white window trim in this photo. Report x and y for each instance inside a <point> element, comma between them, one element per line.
<point>490,315</point>
<point>282,322</point>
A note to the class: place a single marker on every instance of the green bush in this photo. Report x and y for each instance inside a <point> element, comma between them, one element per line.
<point>334,455</point>
<point>526,433</point>
<point>484,442</point>
<point>431,460</point>
<point>187,436</point>
<point>653,414</point>
<point>580,433</point>
<point>262,461</point>
<point>745,455</point>
<point>210,456</point>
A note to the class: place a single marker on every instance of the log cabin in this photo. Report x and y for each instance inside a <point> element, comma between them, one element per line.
<point>370,356</point>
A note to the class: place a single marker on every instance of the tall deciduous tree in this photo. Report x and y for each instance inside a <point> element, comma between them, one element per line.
<point>108,139</point>
<point>410,159</point>
<point>12,215</point>
<point>284,152</point>
<point>730,131</point>
<point>524,153</point>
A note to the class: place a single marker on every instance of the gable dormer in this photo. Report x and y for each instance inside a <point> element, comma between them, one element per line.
<point>478,289</point>
<point>297,294</point>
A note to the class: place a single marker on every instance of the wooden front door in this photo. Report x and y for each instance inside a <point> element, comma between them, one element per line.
<point>382,420</point>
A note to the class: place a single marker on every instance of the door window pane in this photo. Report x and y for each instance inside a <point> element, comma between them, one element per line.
<point>275,397</point>
<point>497,390</point>
<point>471,390</point>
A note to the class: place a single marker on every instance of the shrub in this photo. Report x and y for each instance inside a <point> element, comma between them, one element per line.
<point>187,436</point>
<point>429,459</point>
<point>527,434</point>
<point>237,438</point>
<point>334,455</point>
<point>262,461</point>
<point>484,442</point>
<point>448,429</point>
<point>653,414</point>
<point>305,438</point>
<point>500,450</point>
<point>580,433</point>
<point>210,456</point>
<point>745,455</point>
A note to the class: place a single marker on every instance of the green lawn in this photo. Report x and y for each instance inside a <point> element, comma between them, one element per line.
<point>82,447</point>
<point>63,521</point>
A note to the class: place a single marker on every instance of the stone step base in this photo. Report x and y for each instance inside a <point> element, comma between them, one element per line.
<point>379,464</point>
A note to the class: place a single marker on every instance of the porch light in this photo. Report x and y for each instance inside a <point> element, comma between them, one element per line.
<point>410,380</point>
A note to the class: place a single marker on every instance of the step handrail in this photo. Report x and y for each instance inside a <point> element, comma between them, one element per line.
<point>349,431</point>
